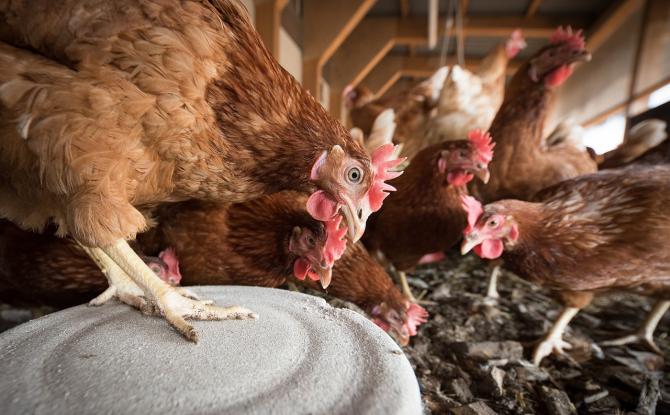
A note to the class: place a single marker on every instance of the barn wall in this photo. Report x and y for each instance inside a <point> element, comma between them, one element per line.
<point>601,84</point>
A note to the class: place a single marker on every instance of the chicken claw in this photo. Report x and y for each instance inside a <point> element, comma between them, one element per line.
<point>120,287</point>
<point>644,334</point>
<point>553,341</point>
<point>173,303</point>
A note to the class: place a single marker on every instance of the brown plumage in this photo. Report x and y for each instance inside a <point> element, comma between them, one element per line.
<point>109,108</point>
<point>424,215</point>
<point>250,244</point>
<point>43,269</point>
<point>525,163</point>
<point>592,234</point>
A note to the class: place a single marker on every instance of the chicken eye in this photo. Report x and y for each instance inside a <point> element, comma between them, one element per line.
<point>462,154</point>
<point>311,242</point>
<point>493,223</point>
<point>354,175</point>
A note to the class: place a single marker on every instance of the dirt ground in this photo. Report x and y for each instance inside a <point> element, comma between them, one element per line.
<point>472,359</point>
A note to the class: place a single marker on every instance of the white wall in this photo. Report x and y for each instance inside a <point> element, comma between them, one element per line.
<point>290,55</point>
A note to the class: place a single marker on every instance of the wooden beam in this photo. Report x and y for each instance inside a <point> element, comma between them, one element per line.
<point>532,8</point>
<point>268,23</point>
<point>404,8</point>
<point>433,21</point>
<point>411,31</point>
<point>361,52</point>
<point>621,107</point>
<point>326,25</point>
<point>610,21</point>
<point>392,67</point>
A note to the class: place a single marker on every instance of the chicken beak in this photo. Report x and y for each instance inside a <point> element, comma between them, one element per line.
<point>325,275</point>
<point>356,219</point>
<point>469,242</point>
<point>484,175</point>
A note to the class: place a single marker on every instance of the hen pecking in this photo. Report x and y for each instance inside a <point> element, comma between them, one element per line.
<point>582,237</point>
<point>109,109</point>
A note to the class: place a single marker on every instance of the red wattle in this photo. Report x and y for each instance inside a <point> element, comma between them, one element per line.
<point>321,207</point>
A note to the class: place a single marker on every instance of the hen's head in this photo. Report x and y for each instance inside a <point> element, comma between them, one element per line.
<point>553,64</point>
<point>317,250</point>
<point>488,230</point>
<point>399,318</point>
<point>356,97</point>
<point>165,266</point>
<point>351,186</point>
<point>462,160</point>
<point>515,43</point>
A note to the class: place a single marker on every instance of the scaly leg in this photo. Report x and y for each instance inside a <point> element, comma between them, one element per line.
<point>405,287</point>
<point>492,288</point>
<point>645,333</point>
<point>120,285</point>
<point>173,305</point>
<point>553,341</point>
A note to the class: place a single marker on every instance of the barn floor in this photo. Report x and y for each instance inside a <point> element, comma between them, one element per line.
<point>456,368</point>
<point>472,359</point>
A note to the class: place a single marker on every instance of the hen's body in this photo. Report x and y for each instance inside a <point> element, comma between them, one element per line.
<point>134,103</point>
<point>109,108</point>
<point>423,216</point>
<point>597,232</point>
<point>525,162</point>
<point>244,243</point>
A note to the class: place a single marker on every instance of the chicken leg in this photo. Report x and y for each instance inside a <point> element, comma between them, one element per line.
<point>492,287</point>
<point>645,333</point>
<point>174,306</point>
<point>553,341</point>
<point>405,286</point>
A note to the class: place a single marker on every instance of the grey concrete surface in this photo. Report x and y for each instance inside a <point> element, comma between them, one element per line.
<point>300,357</point>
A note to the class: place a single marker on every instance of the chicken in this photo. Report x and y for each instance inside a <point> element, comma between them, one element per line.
<point>638,142</point>
<point>582,237</point>
<point>47,270</point>
<point>424,215</point>
<point>109,109</point>
<point>524,162</point>
<point>229,251</point>
<point>469,100</point>
<point>412,108</point>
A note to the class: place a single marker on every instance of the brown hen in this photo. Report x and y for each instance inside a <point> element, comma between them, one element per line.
<point>582,237</point>
<point>109,108</point>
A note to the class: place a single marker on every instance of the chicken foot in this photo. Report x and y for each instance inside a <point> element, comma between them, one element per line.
<point>120,285</point>
<point>553,341</point>
<point>645,333</point>
<point>174,306</point>
<point>123,288</point>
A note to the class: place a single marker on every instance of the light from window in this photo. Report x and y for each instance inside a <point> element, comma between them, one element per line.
<point>658,97</point>
<point>607,135</point>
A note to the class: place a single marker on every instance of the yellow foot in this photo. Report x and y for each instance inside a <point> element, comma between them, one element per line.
<point>645,339</point>
<point>548,346</point>
<point>176,309</point>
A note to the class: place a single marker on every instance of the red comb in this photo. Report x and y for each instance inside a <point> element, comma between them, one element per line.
<point>335,240</point>
<point>474,210</point>
<point>416,315</point>
<point>515,43</point>
<point>483,144</point>
<point>382,161</point>
<point>575,40</point>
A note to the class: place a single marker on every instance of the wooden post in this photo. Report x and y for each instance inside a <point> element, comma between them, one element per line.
<point>268,22</point>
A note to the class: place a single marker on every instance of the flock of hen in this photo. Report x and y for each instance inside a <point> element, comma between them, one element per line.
<point>166,128</point>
